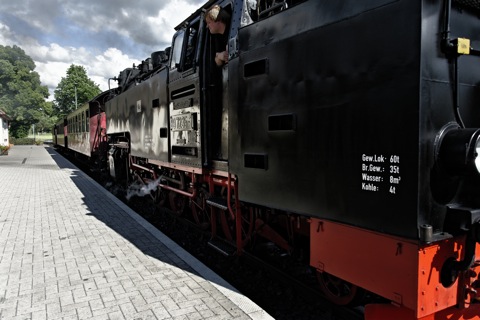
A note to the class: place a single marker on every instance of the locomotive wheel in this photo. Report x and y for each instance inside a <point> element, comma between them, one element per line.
<point>177,202</point>
<point>159,197</point>
<point>339,291</point>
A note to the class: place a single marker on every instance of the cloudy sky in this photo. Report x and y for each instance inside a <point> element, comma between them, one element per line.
<point>104,36</point>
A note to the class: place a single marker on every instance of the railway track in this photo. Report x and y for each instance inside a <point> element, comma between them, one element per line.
<point>275,290</point>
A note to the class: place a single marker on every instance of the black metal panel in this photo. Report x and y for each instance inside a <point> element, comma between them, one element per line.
<point>337,115</point>
<point>185,119</point>
<point>142,112</point>
<point>348,73</point>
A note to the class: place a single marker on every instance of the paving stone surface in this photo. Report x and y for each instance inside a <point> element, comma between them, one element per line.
<point>70,250</point>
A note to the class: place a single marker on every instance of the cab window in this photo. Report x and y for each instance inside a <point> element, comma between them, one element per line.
<point>177,49</point>
<point>185,47</point>
<point>191,46</point>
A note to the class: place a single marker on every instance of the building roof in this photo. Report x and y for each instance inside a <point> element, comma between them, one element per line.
<point>4,115</point>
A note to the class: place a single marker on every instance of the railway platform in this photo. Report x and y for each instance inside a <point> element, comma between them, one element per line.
<point>71,250</point>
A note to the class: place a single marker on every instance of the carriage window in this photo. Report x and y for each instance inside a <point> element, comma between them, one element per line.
<point>83,122</point>
<point>87,122</point>
<point>177,49</point>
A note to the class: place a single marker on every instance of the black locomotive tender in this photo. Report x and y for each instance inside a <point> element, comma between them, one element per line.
<point>345,129</point>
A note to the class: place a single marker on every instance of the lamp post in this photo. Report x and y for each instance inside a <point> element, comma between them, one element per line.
<point>76,103</point>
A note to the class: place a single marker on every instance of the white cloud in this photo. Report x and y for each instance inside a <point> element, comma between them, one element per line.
<point>99,68</point>
<point>5,33</point>
<point>104,36</point>
<point>51,73</point>
<point>164,23</point>
<point>108,65</point>
<point>54,52</point>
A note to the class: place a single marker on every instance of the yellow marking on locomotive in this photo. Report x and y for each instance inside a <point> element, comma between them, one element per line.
<point>463,46</point>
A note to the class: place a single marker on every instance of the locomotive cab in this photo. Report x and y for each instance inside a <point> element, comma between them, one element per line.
<point>198,95</point>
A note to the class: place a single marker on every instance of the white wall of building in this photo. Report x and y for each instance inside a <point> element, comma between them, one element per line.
<point>3,132</point>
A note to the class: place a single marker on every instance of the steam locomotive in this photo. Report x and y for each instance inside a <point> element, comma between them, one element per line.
<point>344,132</point>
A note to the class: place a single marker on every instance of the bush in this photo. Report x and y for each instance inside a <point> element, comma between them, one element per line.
<point>4,149</point>
<point>22,141</point>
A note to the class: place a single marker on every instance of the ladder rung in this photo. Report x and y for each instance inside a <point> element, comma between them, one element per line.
<point>219,203</point>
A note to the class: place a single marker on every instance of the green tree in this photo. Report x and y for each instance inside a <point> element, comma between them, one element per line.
<point>45,117</point>
<point>74,90</point>
<point>22,96</point>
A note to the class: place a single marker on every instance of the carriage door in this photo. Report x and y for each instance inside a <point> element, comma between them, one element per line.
<point>215,79</point>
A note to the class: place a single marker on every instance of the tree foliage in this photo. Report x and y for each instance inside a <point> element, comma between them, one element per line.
<point>74,90</point>
<point>22,96</point>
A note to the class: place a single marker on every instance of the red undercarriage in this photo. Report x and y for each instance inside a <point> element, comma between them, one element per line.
<point>400,270</point>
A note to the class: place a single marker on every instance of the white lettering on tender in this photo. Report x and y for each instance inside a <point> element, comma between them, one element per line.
<point>369,187</point>
<point>367,177</point>
<point>374,158</point>
<point>381,172</point>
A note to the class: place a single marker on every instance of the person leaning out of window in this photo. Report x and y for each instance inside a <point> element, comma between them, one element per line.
<point>218,21</point>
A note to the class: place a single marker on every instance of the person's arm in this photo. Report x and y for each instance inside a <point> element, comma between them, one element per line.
<point>221,58</point>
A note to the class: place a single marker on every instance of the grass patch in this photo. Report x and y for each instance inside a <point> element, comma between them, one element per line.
<point>41,137</point>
